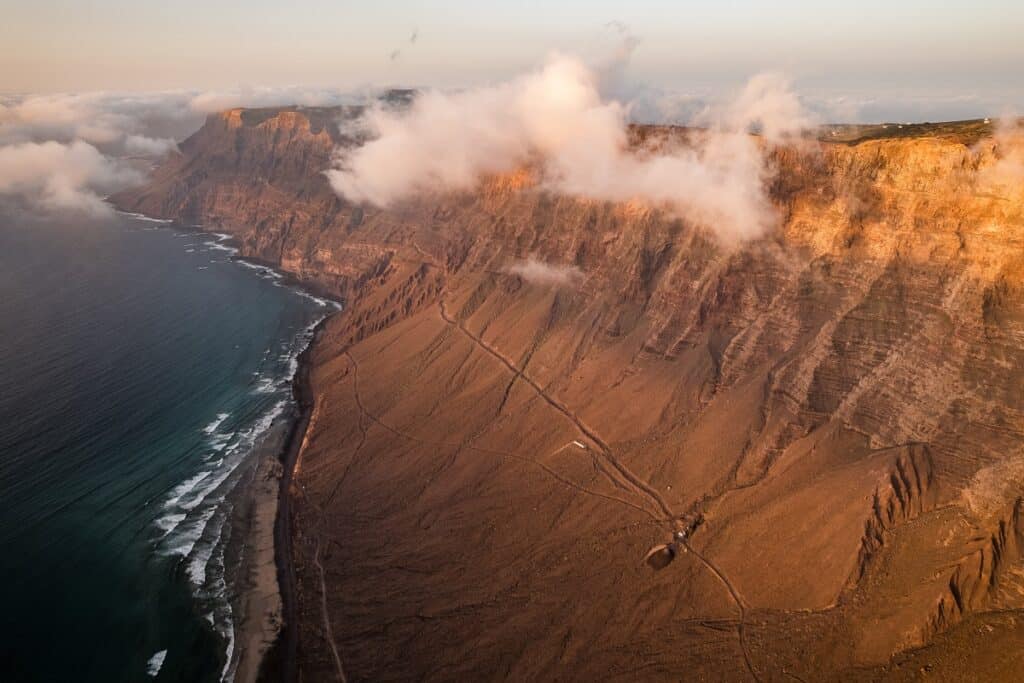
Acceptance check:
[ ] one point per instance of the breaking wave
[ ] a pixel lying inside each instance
(195, 519)
(155, 663)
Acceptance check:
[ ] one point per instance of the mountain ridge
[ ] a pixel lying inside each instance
(824, 408)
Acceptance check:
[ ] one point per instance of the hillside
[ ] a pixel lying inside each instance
(527, 392)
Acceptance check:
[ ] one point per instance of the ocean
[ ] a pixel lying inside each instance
(139, 365)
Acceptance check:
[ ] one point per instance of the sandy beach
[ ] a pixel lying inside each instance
(265, 638)
(258, 600)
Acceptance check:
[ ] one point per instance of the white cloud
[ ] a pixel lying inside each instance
(219, 100)
(57, 176)
(136, 123)
(1008, 170)
(105, 120)
(539, 272)
(140, 145)
(65, 151)
(556, 120)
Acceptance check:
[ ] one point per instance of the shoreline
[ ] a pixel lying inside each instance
(256, 601)
(307, 287)
(266, 632)
(280, 661)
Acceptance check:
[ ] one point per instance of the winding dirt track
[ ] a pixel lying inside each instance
(628, 478)
(616, 470)
(633, 481)
(737, 599)
(328, 629)
(504, 454)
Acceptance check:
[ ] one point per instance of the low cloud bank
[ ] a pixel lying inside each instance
(218, 100)
(57, 176)
(64, 151)
(539, 272)
(556, 120)
(140, 145)
(115, 124)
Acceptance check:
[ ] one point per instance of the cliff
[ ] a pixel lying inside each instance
(833, 414)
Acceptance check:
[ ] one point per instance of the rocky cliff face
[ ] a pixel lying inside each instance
(832, 414)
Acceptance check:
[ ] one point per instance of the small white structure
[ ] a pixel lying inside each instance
(579, 444)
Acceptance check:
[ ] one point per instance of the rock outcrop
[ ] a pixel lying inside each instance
(492, 456)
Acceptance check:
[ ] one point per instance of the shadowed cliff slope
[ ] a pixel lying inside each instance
(833, 414)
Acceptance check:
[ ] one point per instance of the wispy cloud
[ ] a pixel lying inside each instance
(540, 272)
(1007, 172)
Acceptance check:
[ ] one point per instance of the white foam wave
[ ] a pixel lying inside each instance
(222, 616)
(223, 247)
(271, 274)
(220, 442)
(228, 632)
(320, 301)
(184, 541)
(184, 488)
(201, 558)
(182, 529)
(266, 385)
(169, 523)
(217, 422)
(204, 499)
(155, 663)
(143, 217)
(263, 424)
(265, 272)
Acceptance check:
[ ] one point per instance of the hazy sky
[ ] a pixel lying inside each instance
(955, 55)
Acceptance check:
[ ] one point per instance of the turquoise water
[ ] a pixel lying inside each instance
(138, 366)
